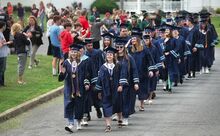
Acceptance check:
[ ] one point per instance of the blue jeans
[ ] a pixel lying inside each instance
(2, 70)
(42, 21)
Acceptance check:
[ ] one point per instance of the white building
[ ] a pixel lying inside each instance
(170, 5)
(134, 5)
(58, 3)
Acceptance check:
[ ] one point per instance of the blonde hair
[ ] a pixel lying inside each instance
(78, 56)
(16, 28)
(34, 18)
(138, 47)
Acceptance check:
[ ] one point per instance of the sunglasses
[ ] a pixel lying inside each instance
(119, 46)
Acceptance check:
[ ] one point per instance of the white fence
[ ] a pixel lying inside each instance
(154, 5)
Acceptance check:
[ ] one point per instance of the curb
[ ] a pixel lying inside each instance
(30, 104)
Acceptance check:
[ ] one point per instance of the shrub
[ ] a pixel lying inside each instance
(104, 6)
(217, 11)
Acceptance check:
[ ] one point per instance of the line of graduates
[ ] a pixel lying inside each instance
(130, 65)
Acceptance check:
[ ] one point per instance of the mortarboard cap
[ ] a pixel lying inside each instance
(76, 47)
(176, 28)
(132, 13)
(149, 29)
(89, 40)
(147, 36)
(136, 32)
(169, 20)
(143, 11)
(123, 25)
(203, 20)
(108, 35)
(120, 41)
(134, 17)
(111, 50)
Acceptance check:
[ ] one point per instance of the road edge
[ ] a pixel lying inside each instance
(10, 113)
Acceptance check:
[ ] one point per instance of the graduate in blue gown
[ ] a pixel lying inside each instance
(96, 60)
(191, 40)
(109, 88)
(171, 54)
(74, 72)
(206, 38)
(145, 65)
(107, 41)
(183, 53)
(129, 78)
(156, 57)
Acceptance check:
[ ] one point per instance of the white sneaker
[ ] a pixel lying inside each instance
(115, 118)
(150, 102)
(203, 70)
(78, 125)
(145, 102)
(69, 128)
(125, 122)
(206, 70)
(84, 121)
(30, 67)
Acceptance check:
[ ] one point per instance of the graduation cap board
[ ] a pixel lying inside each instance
(120, 41)
(136, 32)
(76, 47)
(149, 29)
(89, 40)
(107, 35)
(123, 25)
(147, 36)
(135, 17)
(111, 50)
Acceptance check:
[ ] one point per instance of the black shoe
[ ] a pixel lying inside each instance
(153, 95)
(36, 62)
(108, 129)
(170, 90)
(175, 84)
(181, 81)
(99, 113)
(88, 117)
(120, 123)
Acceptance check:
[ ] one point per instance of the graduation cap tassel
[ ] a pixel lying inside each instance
(206, 41)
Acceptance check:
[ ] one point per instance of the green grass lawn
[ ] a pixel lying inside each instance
(216, 22)
(39, 81)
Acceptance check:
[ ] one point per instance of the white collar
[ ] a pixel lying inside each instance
(109, 65)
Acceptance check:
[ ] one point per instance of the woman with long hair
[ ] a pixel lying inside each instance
(129, 78)
(36, 39)
(156, 57)
(74, 72)
(171, 54)
(41, 15)
(145, 65)
(109, 88)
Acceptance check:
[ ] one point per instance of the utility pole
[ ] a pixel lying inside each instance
(122, 4)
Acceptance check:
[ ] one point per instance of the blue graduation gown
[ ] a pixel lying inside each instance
(144, 63)
(183, 53)
(192, 41)
(74, 105)
(171, 60)
(108, 84)
(156, 57)
(129, 77)
(96, 60)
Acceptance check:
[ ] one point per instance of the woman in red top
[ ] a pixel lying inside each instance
(66, 39)
(85, 24)
(10, 9)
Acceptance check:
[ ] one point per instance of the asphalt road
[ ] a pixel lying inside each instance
(192, 110)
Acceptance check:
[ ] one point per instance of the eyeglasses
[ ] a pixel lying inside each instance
(119, 46)
(133, 38)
